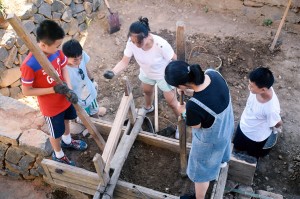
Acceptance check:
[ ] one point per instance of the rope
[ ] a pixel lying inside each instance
(206, 52)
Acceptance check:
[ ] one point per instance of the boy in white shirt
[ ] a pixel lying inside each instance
(260, 116)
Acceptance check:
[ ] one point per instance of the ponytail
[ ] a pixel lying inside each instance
(179, 73)
(196, 74)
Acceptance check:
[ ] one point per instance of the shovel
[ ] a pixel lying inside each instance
(113, 20)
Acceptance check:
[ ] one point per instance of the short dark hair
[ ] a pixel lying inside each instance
(141, 28)
(262, 77)
(48, 32)
(179, 73)
(72, 48)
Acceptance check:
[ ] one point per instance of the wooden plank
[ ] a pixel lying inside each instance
(99, 165)
(74, 186)
(219, 186)
(47, 172)
(180, 40)
(240, 170)
(182, 141)
(144, 136)
(80, 182)
(280, 25)
(122, 153)
(48, 68)
(115, 132)
(71, 172)
(136, 190)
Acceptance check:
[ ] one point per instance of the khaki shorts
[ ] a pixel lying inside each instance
(161, 84)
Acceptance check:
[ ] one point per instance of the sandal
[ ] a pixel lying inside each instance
(150, 109)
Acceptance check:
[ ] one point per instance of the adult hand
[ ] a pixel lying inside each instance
(72, 97)
(188, 92)
(61, 88)
(109, 74)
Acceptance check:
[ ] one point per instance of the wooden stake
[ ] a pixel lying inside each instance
(280, 25)
(48, 68)
(156, 109)
(180, 48)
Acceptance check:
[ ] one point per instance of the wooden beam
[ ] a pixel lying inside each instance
(99, 165)
(242, 168)
(180, 40)
(140, 192)
(122, 153)
(115, 132)
(48, 68)
(180, 51)
(71, 172)
(144, 136)
(280, 25)
(72, 186)
(219, 186)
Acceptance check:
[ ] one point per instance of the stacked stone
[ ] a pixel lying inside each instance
(20, 157)
(21, 151)
(72, 15)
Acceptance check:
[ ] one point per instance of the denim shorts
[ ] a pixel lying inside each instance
(161, 84)
(56, 124)
(206, 157)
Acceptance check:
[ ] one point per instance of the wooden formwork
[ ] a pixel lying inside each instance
(101, 184)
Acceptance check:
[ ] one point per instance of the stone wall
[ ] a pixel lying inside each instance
(72, 15)
(23, 144)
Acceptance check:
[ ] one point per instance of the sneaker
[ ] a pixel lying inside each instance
(149, 110)
(188, 196)
(64, 160)
(177, 134)
(75, 144)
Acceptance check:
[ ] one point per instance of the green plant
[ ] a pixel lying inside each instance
(267, 22)
(88, 21)
(205, 9)
(2, 7)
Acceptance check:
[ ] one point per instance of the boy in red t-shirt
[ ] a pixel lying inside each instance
(55, 107)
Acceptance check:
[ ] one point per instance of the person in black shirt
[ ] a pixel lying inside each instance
(210, 114)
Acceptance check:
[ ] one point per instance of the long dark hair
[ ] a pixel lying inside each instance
(179, 73)
(140, 28)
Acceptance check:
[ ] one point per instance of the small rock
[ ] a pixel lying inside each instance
(267, 178)
(280, 157)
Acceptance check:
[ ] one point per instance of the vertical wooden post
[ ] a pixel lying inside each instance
(128, 90)
(180, 51)
(100, 165)
(156, 127)
(280, 25)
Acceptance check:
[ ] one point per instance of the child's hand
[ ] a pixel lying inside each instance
(109, 74)
(61, 88)
(72, 97)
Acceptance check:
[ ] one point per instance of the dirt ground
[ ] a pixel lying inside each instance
(242, 44)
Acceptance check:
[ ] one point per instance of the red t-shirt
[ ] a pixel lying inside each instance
(32, 74)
